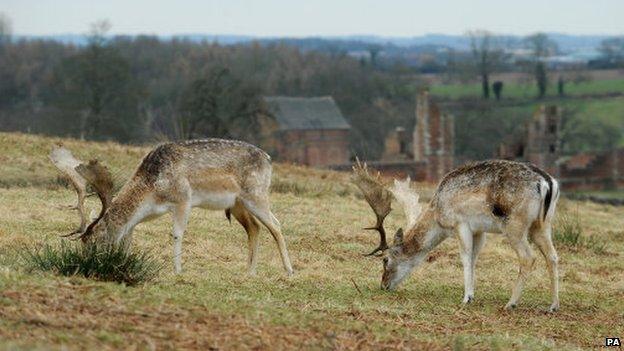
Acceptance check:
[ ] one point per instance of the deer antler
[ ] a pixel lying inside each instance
(65, 162)
(101, 180)
(377, 196)
(408, 199)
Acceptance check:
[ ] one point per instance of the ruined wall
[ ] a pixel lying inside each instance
(433, 138)
(543, 141)
(597, 171)
(395, 146)
(541, 145)
(432, 153)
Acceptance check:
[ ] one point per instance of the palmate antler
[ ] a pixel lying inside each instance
(80, 175)
(408, 199)
(66, 163)
(377, 196)
(101, 180)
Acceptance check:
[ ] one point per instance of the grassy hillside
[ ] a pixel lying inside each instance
(332, 302)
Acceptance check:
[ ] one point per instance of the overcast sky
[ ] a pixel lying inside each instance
(317, 17)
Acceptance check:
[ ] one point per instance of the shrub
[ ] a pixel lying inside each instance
(105, 263)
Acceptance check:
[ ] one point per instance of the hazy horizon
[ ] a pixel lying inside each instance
(281, 18)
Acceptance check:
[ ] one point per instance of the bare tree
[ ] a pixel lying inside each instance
(487, 55)
(5, 29)
(541, 47)
(221, 105)
(97, 32)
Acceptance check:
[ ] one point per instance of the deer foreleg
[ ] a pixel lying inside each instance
(180, 219)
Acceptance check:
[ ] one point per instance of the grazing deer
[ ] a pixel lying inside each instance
(512, 198)
(215, 174)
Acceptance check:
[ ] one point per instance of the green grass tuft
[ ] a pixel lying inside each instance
(106, 263)
(569, 233)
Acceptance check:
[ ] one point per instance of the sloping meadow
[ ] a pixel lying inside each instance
(332, 302)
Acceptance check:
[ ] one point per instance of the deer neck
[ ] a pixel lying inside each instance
(424, 236)
(129, 208)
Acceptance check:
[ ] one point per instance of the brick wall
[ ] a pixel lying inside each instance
(313, 147)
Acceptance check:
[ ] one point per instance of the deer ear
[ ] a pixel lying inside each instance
(398, 237)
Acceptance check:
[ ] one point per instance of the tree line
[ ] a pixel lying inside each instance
(142, 88)
(136, 89)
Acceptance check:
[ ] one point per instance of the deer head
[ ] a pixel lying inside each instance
(396, 261)
(392, 267)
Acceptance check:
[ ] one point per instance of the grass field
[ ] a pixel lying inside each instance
(529, 90)
(332, 302)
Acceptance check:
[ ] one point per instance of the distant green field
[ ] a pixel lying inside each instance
(607, 110)
(528, 90)
(606, 194)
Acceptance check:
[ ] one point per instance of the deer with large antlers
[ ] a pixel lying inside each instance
(215, 174)
(512, 198)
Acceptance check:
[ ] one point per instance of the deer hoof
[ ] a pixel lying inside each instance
(510, 306)
(468, 299)
(553, 308)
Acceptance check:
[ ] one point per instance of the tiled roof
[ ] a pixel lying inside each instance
(296, 113)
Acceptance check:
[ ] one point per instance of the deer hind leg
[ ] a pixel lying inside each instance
(541, 236)
(260, 209)
(180, 216)
(518, 240)
(465, 250)
(251, 227)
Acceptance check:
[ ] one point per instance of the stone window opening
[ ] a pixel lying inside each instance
(402, 147)
(552, 129)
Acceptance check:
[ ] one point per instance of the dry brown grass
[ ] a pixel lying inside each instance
(332, 302)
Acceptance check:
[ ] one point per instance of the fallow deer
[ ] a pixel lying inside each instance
(213, 173)
(512, 198)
